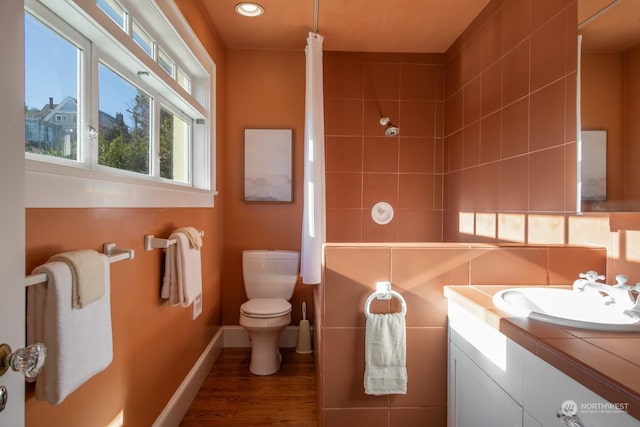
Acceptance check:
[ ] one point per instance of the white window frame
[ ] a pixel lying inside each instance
(52, 182)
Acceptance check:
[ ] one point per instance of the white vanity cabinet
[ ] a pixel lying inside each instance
(495, 382)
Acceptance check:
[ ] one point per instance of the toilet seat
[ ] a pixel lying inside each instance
(265, 308)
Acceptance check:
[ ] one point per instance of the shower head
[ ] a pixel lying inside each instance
(390, 128)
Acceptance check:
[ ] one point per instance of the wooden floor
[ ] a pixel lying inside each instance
(232, 396)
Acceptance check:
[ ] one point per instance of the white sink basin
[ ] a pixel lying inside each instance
(567, 308)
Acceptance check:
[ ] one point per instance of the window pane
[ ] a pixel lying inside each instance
(51, 92)
(183, 80)
(143, 39)
(113, 9)
(165, 62)
(124, 133)
(175, 140)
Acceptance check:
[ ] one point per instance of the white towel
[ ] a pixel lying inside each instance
(79, 342)
(182, 281)
(385, 355)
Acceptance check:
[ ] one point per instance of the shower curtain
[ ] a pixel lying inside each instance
(313, 212)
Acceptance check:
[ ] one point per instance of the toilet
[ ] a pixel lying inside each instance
(270, 277)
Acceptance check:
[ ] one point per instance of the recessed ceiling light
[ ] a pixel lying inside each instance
(249, 9)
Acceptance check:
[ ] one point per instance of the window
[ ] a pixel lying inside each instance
(133, 114)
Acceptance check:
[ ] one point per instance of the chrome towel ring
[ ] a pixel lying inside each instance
(384, 292)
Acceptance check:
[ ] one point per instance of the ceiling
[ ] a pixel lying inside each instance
(347, 25)
(609, 25)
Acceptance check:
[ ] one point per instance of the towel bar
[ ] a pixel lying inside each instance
(113, 254)
(151, 242)
(384, 292)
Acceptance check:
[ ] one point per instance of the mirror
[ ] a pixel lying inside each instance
(610, 103)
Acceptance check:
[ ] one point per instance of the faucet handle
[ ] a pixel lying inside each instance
(622, 279)
(592, 276)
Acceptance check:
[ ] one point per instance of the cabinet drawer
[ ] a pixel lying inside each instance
(547, 389)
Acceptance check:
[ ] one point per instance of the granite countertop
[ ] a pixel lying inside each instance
(608, 363)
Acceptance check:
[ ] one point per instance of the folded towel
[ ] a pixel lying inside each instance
(87, 270)
(79, 342)
(385, 355)
(182, 282)
(195, 239)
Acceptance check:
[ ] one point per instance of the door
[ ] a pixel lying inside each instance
(12, 202)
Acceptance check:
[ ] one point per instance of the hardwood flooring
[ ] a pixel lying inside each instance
(232, 396)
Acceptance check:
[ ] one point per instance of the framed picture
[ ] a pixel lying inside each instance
(268, 165)
(593, 169)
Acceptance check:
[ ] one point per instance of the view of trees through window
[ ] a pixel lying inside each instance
(125, 125)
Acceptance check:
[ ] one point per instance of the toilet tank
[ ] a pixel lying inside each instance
(270, 273)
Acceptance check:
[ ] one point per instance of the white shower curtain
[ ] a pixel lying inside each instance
(313, 213)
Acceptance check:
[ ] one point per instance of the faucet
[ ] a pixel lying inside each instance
(620, 293)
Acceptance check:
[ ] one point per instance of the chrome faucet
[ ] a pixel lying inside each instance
(620, 293)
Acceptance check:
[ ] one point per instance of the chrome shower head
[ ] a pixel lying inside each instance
(390, 128)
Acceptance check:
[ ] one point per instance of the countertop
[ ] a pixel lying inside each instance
(608, 363)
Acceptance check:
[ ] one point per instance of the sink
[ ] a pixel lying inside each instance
(567, 307)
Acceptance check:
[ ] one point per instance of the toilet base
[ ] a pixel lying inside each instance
(265, 339)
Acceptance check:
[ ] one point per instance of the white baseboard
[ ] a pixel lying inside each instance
(179, 403)
(236, 336)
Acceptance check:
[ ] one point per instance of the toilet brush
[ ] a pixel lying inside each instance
(304, 333)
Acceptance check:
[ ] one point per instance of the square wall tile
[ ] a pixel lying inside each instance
(546, 172)
(472, 101)
(417, 155)
(419, 225)
(415, 191)
(343, 117)
(516, 22)
(514, 196)
(426, 369)
(422, 82)
(491, 137)
(515, 129)
(491, 81)
(547, 116)
(515, 73)
(417, 118)
(343, 189)
(420, 274)
(343, 80)
(549, 52)
(344, 225)
(344, 381)
(343, 153)
(379, 187)
(380, 154)
(471, 145)
(350, 277)
(508, 266)
(381, 81)
(566, 263)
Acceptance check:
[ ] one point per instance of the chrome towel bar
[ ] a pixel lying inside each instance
(151, 242)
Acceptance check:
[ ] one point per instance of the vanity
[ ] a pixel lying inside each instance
(516, 371)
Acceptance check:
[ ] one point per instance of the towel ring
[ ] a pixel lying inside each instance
(384, 292)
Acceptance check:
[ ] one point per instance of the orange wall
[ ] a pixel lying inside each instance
(363, 166)
(510, 114)
(155, 345)
(265, 89)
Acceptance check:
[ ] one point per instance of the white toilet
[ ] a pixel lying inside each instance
(269, 280)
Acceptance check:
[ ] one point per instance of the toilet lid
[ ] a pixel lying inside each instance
(265, 307)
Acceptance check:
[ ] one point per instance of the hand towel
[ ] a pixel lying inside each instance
(87, 271)
(79, 342)
(195, 239)
(182, 281)
(385, 354)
